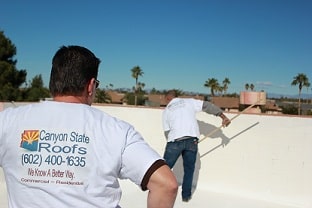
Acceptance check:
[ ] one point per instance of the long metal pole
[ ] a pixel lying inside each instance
(217, 129)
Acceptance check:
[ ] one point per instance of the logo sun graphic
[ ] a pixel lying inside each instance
(30, 136)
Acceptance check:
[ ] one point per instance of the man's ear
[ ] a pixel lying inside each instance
(91, 86)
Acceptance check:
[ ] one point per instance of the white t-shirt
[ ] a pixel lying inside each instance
(69, 155)
(179, 118)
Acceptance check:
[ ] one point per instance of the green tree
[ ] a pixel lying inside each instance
(302, 81)
(135, 73)
(252, 87)
(10, 78)
(141, 85)
(177, 91)
(246, 86)
(213, 85)
(37, 91)
(130, 98)
(154, 91)
(289, 109)
(102, 97)
(226, 82)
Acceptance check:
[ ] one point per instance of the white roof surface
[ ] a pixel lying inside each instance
(266, 164)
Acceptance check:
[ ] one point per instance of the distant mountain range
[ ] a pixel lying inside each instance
(276, 95)
(269, 95)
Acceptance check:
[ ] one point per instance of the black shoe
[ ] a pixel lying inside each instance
(186, 199)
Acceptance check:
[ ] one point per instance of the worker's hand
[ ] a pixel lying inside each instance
(225, 120)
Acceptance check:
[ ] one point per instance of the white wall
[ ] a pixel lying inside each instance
(268, 160)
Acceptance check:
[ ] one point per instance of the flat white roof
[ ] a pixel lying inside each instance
(266, 164)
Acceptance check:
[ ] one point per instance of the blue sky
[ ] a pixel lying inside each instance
(177, 43)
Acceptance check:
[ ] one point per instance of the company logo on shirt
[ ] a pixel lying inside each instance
(30, 140)
(54, 142)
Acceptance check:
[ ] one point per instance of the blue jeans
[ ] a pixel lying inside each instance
(188, 149)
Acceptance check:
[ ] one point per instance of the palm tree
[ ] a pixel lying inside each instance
(303, 81)
(136, 72)
(246, 86)
(177, 91)
(213, 85)
(109, 86)
(220, 89)
(141, 85)
(226, 83)
(252, 86)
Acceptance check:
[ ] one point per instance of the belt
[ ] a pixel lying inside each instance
(184, 138)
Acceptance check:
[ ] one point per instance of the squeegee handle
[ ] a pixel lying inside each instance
(217, 129)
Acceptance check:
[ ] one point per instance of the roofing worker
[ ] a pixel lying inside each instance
(182, 133)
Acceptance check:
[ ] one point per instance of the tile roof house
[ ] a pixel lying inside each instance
(230, 104)
(156, 100)
(116, 97)
(272, 108)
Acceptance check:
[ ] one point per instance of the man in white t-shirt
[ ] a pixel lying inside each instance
(65, 153)
(182, 133)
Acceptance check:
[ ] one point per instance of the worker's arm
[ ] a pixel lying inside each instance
(163, 187)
